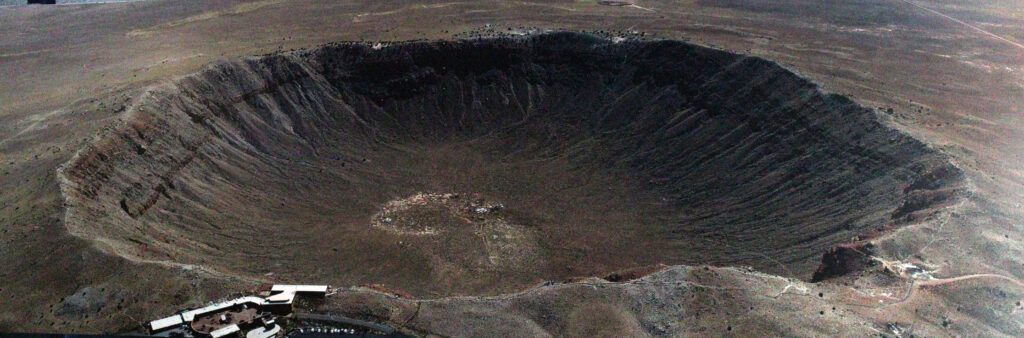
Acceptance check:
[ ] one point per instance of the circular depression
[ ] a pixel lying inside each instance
(476, 167)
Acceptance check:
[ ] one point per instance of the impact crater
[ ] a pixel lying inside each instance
(485, 166)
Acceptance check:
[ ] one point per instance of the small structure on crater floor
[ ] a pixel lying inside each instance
(255, 317)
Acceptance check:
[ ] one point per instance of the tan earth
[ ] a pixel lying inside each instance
(118, 204)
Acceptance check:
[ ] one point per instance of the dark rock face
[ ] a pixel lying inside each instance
(604, 156)
(842, 260)
(87, 301)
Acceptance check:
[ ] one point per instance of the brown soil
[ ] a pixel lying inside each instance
(74, 71)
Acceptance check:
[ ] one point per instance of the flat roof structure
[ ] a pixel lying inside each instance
(225, 331)
(280, 295)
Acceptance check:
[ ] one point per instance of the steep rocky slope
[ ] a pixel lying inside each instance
(586, 156)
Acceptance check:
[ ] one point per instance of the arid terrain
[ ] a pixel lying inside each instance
(587, 168)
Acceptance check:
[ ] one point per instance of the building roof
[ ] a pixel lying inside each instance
(280, 294)
(224, 331)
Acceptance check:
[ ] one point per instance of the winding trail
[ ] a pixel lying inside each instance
(976, 28)
(968, 277)
(916, 284)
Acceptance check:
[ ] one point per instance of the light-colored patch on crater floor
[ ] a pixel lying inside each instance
(501, 242)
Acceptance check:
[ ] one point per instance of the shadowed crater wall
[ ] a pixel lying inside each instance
(440, 168)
